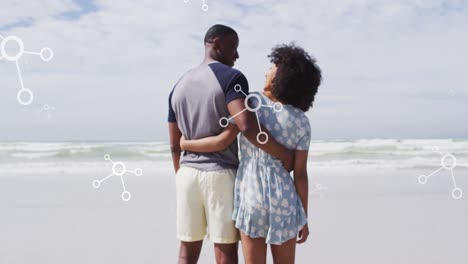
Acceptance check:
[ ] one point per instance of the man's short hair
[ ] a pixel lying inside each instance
(218, 31)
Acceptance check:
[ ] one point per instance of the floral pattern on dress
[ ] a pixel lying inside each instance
(266, 203)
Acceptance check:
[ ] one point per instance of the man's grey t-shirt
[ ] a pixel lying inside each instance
(198, 102)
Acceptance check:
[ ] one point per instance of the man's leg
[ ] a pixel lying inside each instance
(218, 191)
(226, 253)
(191, 219)
(189, 252)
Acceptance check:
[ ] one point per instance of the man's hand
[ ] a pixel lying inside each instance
(303, 234)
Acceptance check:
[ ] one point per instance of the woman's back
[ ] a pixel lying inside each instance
(266, 202)
(289, 126)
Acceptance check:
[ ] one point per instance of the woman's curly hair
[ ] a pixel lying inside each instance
(297, 77)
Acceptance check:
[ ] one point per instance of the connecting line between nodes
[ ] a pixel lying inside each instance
(319, 188)
(118, 169)
(46, 54)
(277, 107)
(47, 109)
(204, 6)
(447, 162)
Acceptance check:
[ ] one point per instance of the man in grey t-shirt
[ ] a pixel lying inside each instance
(205, 181)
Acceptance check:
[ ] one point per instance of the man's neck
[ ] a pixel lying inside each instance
(208, 60)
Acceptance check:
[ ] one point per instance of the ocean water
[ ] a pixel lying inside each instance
(371, 208)
(364, 153)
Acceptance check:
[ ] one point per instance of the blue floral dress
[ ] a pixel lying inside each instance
(266, 203)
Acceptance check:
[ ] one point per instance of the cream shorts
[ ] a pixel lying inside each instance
(205, 201)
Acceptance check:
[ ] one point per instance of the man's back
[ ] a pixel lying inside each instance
(197, 103)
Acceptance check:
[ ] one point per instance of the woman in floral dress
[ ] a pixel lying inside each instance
(270, 206)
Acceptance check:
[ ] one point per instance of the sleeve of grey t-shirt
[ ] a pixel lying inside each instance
(232, 81)
(171, 116)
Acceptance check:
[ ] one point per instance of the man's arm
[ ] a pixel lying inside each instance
(247, 124)
(174, 143)
(213, 143)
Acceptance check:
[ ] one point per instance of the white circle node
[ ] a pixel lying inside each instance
(457, 193)
(278, 107)
(20, 52)
(46, 54)
(96, 184)
(126, 196)
(450, 163)
(46, 107)
(224, 122)
(118, 168)
(262, 134)
(138, 172)
(256, 108)
(20, 94)
(205, 7)
(422, 179)
(107, 157)
(237, 87)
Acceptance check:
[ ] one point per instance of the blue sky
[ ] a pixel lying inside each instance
(85, 7)
(76, 9)
(392, 69)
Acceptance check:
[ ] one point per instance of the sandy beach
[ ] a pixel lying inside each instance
(93, 91)
(365, 215)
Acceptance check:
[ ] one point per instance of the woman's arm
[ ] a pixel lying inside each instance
(301, 181)
(211, 144)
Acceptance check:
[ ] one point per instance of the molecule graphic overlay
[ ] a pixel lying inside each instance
(320, 189)
(277, 107)
(118, 169)
(204, 6)
(46, 54)
(452, 92)
(447, 162)
(46, 108)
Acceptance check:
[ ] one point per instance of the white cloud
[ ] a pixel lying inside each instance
(384, 62)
